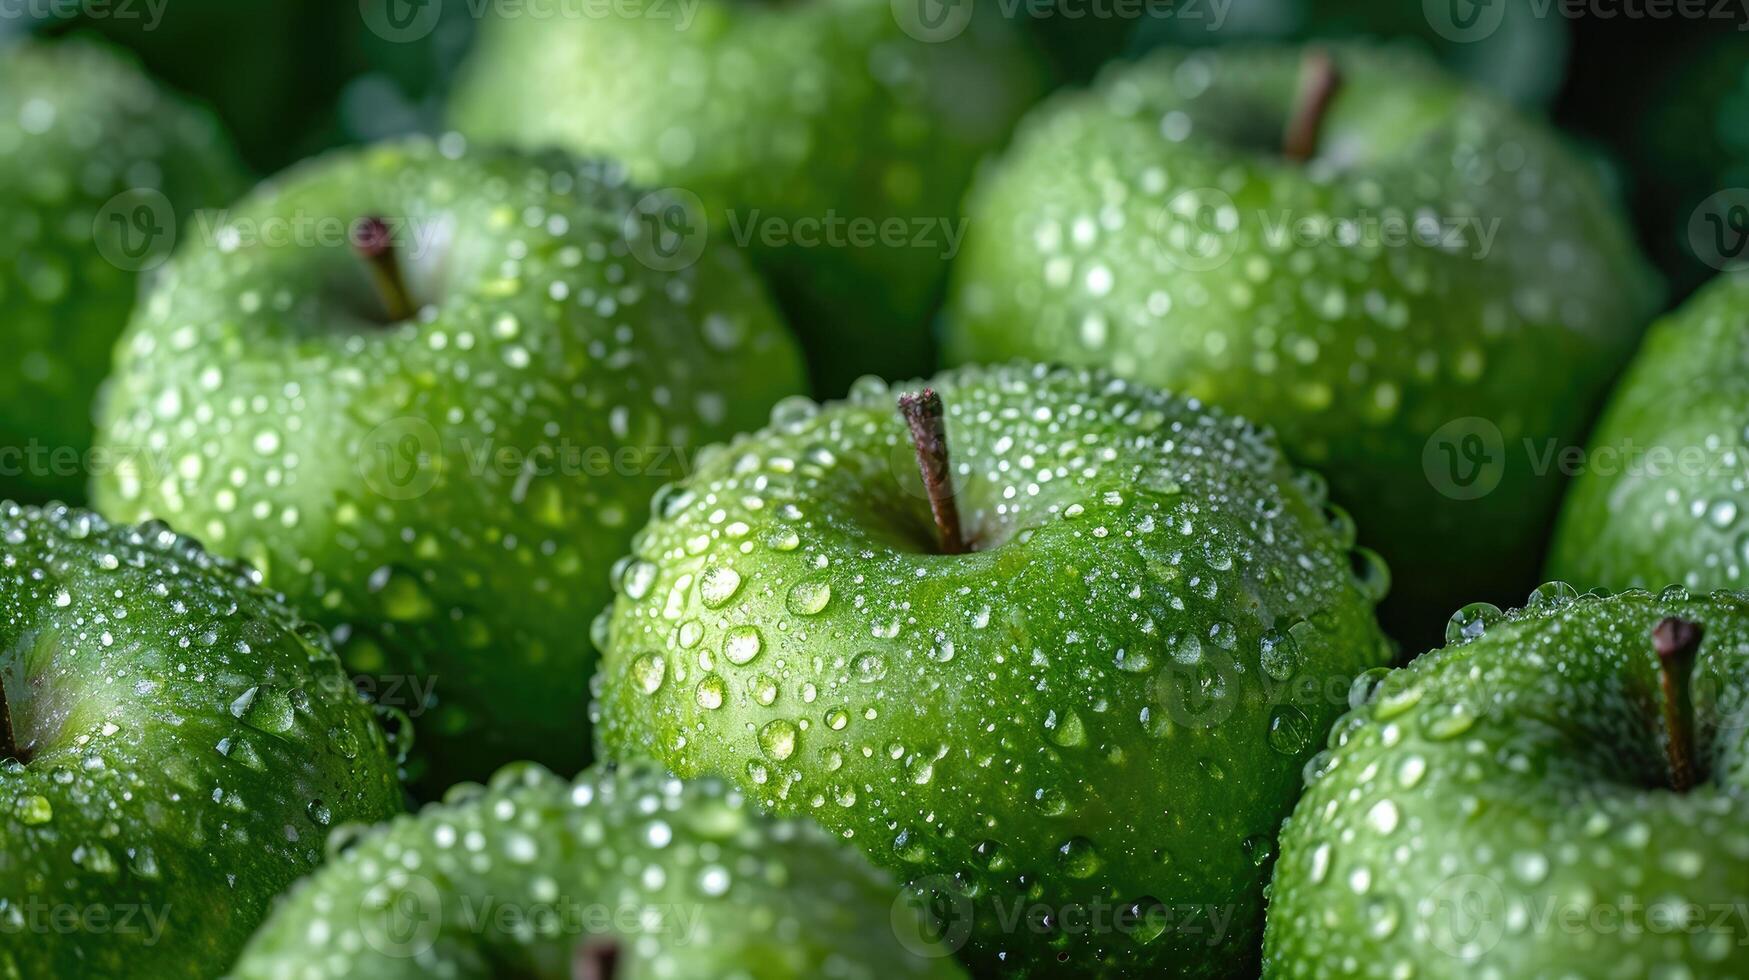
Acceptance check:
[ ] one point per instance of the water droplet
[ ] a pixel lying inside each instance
(1065, 729)
(1078, 857)
(717, 585)
(778, 740)
(710, 693)
(647, 672)
(1279, 656)
(1290, 731)
(809, 596)
(742, 644)
(1471, 621)
(870, 667)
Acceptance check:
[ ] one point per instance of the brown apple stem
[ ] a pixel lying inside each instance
(1677, 641)
(595, 961)
(375, 244)
(1319, 80)
(924, 414)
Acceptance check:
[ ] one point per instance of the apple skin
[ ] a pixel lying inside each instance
(447, 493)
(741, 895)
(189, 741)
(1105, 705)
(1086, 247)
(1662, 498)
(785, 113)
(97, 128)
(1521, 769)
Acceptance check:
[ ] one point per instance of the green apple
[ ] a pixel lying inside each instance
(1430, 292)
(99, 168)
(176, 743)
(1516, 48)
(1559, 792)
(1661, 496)
(628, 874)
(834, 138)
(1074, 708)
(439, 449)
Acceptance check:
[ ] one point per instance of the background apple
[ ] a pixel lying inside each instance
(1515, 805)
(1438, 293)
(801, 130)
(446, 490)
(1082, 732)
(1661, 496)
(627, 874)
(99, 169)
(176, 745)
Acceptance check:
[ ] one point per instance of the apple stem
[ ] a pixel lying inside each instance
(595, 961)
(1677, 641)
(375, 244)
(924, 414)
(1319, 80)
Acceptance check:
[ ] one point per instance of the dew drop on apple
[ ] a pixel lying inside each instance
(763, 687)
(1278, 656)
(709, 693)
(1290, 731)
(809, 596)
(319, 813)
(837, 719)
(870, 667)
(742, 644)
(717, 585)
(1065, 728)
(1079, 858)
(34, 811)
(647, 672)
(637, 579)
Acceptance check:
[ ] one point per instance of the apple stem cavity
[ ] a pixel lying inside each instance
(927, 419)
(376, 245)
(1677, 641)
(1319, 80)
(595, 961)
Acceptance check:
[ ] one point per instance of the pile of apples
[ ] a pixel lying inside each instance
(773, 490)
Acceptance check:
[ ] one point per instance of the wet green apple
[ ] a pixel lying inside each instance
(1661, 494)
(613, 876)
(1420, 293)
(834, 138)
(1558, 792)
(1064, 685)
(99, 171)
(176, 744)
(437, 440)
